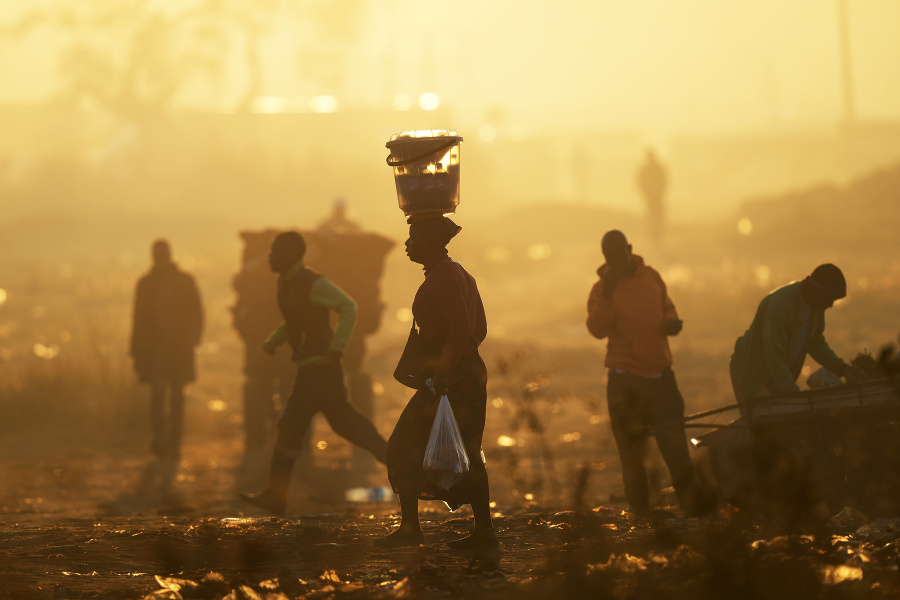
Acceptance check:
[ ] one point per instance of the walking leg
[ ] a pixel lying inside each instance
(292, 428)
(410, 531)
(629, 432)
(346, 421)
(670, 437)
(483, 536)
(274, 498)
(634, 475)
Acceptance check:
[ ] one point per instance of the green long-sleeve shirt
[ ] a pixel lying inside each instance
(326, 294)
(772, 351)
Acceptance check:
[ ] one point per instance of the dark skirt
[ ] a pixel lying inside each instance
(467, 392)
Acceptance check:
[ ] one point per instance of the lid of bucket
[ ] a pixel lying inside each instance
(418, 134)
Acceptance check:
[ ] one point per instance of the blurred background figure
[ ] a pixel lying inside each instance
(168, 322)
(337, 221)
(652, 181)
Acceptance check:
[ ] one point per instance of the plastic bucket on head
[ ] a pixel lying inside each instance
(426, 170)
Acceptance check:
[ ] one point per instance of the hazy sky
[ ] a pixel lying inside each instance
(655, 65)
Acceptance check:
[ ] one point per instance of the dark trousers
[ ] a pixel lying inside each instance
(166, 418)
(320, 388)
(638, 408)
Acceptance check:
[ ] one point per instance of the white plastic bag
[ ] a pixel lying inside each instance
(446, 461)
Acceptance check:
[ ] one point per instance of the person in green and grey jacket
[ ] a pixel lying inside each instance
(789, 324)
(306, 300)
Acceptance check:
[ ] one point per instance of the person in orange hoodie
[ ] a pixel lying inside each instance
(630, 306)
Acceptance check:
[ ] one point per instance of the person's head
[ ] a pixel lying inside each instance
(616, 250)
(287, 249)
(426, 236)
(161, 252)
(823, 286)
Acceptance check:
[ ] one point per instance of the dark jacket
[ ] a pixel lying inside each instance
(167, 324)
(450, 314)
(308, 325)
(771, 353)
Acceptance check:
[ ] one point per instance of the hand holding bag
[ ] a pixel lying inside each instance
(446, 461)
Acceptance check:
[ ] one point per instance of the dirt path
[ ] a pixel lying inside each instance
(84, 521)
(80, 518)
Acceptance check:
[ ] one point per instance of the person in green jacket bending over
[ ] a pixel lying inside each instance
(789, 324)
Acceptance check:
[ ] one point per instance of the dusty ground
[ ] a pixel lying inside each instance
(81, 518)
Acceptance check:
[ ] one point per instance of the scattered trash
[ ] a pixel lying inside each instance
(330, 576)
(625, 563)
(849, 518)
(835, 574)
(370, 494)
(247, 520)
(823, 378)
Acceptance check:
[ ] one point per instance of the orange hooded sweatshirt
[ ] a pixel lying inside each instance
(633, 320)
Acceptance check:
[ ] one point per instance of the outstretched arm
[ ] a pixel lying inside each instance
(823, 354)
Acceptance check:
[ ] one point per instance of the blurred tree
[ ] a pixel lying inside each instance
(325, 40)
(133, 61)
(134, 57)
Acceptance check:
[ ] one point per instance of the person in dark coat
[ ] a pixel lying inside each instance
(306, 300)
(452, 323)
(167, 324)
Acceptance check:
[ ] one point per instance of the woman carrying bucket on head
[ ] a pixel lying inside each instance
(451, 324)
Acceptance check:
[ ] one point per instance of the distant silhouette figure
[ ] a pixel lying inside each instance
(630, 306)
(306, 301)
(168, 322)
(653, 181)
(338, 222)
